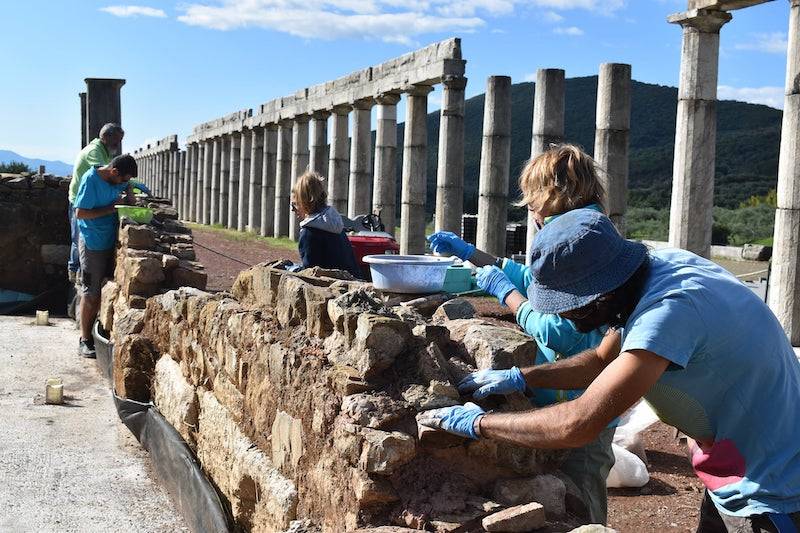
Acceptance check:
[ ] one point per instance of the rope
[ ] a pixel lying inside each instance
(762, 271)
(223, 255)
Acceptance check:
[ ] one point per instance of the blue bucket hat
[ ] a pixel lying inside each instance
(578, 257)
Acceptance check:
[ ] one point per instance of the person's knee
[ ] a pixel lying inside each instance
(90, 300)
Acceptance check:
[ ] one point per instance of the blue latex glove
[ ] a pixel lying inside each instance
(495, 282)
(459, 419)
(485, 382)
(448, 243)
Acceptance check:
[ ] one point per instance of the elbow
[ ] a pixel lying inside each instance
(80, 213)
(581, 428)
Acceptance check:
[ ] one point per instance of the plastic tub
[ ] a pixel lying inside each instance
(104, 349)
(411, 274)
(142, 215)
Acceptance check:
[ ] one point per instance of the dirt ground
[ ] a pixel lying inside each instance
(670, 501)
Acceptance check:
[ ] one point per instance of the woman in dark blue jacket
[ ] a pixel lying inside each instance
(323, 241)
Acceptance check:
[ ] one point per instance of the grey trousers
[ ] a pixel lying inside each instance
(588, 467)
(712, 521)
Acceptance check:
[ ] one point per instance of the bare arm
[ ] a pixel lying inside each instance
(578, 422)
(481, 258)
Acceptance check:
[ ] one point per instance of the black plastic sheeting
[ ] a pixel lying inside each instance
(177, 468)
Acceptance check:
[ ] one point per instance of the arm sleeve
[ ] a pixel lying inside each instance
(552, 331)
(520, 275)
(671, 328)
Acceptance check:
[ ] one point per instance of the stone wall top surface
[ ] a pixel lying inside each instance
(167, 144)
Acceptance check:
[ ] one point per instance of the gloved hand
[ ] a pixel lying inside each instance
(494, 281)
(459, 419)
(448, 243)
(485, 382)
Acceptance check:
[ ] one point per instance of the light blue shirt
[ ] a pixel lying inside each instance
(98, 233)
(733, 383)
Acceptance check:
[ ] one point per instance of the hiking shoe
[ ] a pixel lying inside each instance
(86, 349)
(72, 276)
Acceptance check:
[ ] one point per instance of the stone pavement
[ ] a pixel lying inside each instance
(75, 467)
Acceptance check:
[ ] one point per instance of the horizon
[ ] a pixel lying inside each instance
(170, 88)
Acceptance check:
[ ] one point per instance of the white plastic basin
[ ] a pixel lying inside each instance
(408, 273)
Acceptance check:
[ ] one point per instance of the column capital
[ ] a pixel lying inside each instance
(286, 123)
(387, 98)
(454, 82)
(417, 90)
(301, 118)
(364, 103)
(271, 126)
(341, 109)
(702, 20)
(322, 114)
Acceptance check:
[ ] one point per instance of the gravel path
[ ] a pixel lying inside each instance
(73, 467)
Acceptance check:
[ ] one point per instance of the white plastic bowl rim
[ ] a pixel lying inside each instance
(408, 260)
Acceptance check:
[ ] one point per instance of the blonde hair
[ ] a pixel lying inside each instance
(559, 180)
(309, 191)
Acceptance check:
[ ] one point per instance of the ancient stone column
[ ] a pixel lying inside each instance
(192, 200)
(450, 169)
(548, 125)
(784, 282)
(102, 105)
(270, 160)
(384, 191)
(415, 173)
(283, 179)
(233, 180)
(224, 178)
(318, 160)
(613, 124)
(339, 162)
(84, 129)
(690, 217)
(198, 214)
(184, 189)
(495, 167)
(173, 182)
(360, 187)
(208, 169)
(216, 154)
(256, 172)
(300, 157)
(244, 181)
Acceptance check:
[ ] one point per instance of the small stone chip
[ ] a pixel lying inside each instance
(514, 519)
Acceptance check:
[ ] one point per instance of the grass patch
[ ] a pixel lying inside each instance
(246, 236)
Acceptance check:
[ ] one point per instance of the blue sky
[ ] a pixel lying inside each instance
(191, 61)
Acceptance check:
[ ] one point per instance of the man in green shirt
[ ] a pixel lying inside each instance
(97, 153)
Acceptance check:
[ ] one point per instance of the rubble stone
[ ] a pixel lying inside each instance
(497, 347)
(134, 361)
(545, 489)
(137, 236)
(287, 441)
(175, 398)
(521, 518)
(373, 410)
(383, 452)
(108, 296)
(455, 309)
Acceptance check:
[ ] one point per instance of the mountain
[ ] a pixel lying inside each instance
(748, 139)
(59, 168)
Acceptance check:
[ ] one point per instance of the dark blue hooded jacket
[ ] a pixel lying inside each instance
(324, 243)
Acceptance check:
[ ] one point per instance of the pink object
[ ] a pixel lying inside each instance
(718, 465)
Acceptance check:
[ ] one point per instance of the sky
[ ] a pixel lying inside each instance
(191, 61)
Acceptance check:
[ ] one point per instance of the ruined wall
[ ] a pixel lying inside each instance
(34, 233)
(298, 393)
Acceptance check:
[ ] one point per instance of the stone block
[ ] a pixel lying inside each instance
(182, 251)
(344, 311)
(431, 334)
(55, 254)
(134, 363)
(141, 275)
(318, 323)
(372, 490)
(384, 452)
(261, 498)
(287, 441)
(455, 309)
(127, 321)
(422, 398)
(175, 398)
(108, 297)
(168, 262)
(229, 396)
(545, 489)
(521, 518)
(137, 236)
(429, 437)
(189, 274)
(498, 347)
(458, 328)
(373, 410)
(756, 252)
(378, 341)
(291, 302)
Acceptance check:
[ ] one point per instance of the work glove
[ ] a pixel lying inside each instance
(495, 282)
(485, 382)
(448, 243)
(459, 419)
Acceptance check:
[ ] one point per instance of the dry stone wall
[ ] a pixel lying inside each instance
(298, 394)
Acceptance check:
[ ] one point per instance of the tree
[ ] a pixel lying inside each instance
(15, 167)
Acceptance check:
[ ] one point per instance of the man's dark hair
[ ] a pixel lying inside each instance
(126, 165)
(620, 303)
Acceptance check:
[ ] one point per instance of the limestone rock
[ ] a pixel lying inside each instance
(378, 341)
(423, 398)
(127, 322)
(429, 437)
(141, 275)
(498, 347)
(108, 297)
(168, 262)
(455, 309)
(287, 441)
(431, 334)
(384, 452)
(291, 302)
(137, 236)
(373, 410)
(345, 310)
(228, 395)
(458, 328)
(134, 362)
(521, 518)
(175, 398)
(372, 490)
(302, 526)
(181, 251)
(545, 489)
(593, 528)
(318, 323)
(756, 252)
(189, 274)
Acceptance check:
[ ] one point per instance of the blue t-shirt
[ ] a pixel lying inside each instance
(98, 233)
(733, 383)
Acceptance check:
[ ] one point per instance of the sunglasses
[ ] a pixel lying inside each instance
(582, 313)
(293, 207)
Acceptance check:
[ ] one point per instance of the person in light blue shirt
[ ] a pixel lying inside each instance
(98, 194)
(562, 179)
(701, 348)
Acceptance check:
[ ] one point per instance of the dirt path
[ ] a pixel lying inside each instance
(75, 467)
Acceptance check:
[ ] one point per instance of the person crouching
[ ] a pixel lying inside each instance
(323, 241)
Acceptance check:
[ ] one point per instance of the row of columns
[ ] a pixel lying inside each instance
(160, 171)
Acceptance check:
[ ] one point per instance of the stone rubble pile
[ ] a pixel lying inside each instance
(298, 394)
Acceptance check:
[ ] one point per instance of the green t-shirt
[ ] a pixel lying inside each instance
(93, 154)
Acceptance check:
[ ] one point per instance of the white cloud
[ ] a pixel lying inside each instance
(569, 30)
(134, 11)
(771, 96)
(552, 16)
(399, 21)
(772, 43)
